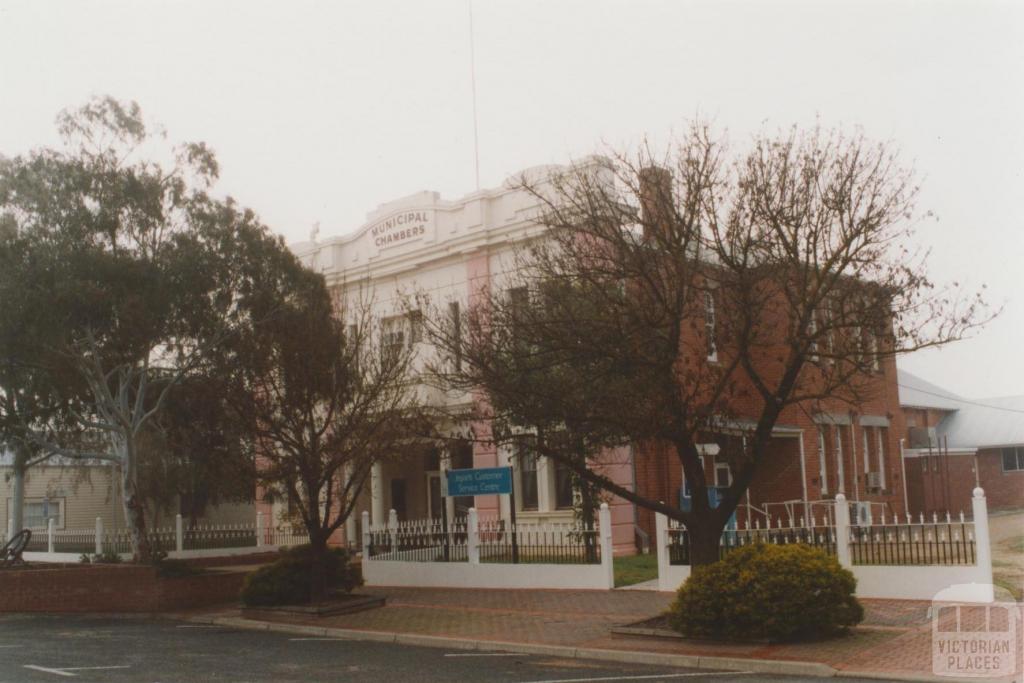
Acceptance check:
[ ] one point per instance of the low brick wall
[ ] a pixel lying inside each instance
(111, 588)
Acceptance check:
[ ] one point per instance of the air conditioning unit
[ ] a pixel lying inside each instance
(874, 481)
(860, 513)
(923, 437)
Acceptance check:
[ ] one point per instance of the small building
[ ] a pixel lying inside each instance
(954, 444)
(75, 494)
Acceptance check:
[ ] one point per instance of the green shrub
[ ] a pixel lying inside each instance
(287, 581)
(768, 592)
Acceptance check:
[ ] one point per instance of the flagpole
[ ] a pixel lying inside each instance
(472, 75)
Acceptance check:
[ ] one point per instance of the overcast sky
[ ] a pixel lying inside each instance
(322, 111)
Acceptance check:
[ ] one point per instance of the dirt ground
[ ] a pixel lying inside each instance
(1007, 530)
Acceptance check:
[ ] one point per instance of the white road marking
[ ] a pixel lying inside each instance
(197, 626)
(10, 645)
(485, 654)
(336, 640)
(644, 678)
(67, 671)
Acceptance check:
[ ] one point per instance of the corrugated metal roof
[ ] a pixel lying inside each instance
(971, 423)
(917, 393)
(985, 422)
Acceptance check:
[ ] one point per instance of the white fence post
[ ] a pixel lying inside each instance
(473, 537)
(366, 536)
(99, 535)
(393, 529)
(179, 534)
(259, 529)
(661, 547)
(604, 525)
(982, 541)
(10, 528)
(49, 535)
(843, 531)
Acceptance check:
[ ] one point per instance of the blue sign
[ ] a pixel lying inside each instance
(481, 481)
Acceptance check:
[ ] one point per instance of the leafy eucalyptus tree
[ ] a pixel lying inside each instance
(144, 272)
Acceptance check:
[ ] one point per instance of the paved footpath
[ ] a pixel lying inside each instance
(893, 643)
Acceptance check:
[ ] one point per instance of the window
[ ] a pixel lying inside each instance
(812, 333)
(841, 484)
(822, 468)
(456, 322)
(528, 489)
(1013, 459)
(882, 433)
(872, 346)
(723, 475)
(709, 326)
(393, 334)
(38, 511)
(563, 487)
(866, 431)
(687, 493)
(415, 327)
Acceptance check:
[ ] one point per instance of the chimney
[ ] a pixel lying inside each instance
(655, 199)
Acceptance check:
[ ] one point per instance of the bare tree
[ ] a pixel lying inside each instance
(675, 299)
(325, 396)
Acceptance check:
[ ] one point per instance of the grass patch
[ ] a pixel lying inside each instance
(633, 569)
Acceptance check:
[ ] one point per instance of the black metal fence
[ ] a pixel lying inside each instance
(420, 541)
(939, 543)
(822, 537)
(539, 545)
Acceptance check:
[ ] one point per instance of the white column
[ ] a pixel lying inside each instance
(10, 528)
(843, 531)
(982, 541)
(366, 536)
(350, 522)
(473, 538)
(448, 502)
(179, 533)
(49, 535)
(604, 527)
(661, 544)
(377, 494)
(259, 529)
(99, 535)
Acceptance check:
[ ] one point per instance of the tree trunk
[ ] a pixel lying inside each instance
(318, 568)
(18, 498)
(134, 508)
(705, 536)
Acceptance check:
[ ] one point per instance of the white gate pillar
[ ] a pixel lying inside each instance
(99, 535)
(661, 547)
(842, 517)
(49, 535)
(604, 527)
(982, 541)
(473, 537)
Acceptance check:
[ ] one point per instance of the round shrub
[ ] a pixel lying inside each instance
(768, 592)
(287, 581)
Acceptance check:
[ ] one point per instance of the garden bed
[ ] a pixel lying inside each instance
(333, 606)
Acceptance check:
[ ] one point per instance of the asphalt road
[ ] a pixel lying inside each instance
(142, 650)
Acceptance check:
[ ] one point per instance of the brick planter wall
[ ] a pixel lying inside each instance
(111, 588)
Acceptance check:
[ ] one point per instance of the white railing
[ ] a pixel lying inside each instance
(471, 553)
(892, 558)
(179, 541)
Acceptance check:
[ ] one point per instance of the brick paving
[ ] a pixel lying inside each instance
(895, 637)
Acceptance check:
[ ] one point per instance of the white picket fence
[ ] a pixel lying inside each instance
(474, 553)
(179, 542)
(891, 559)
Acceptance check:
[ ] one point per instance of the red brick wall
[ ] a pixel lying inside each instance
(947, 482)
(111, 588)
(1004, 490)
(659, 473)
